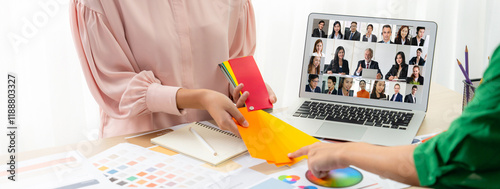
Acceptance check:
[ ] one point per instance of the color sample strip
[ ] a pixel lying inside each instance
(41, 165)
(246, 71)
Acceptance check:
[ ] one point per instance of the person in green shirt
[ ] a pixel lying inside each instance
(466, 155)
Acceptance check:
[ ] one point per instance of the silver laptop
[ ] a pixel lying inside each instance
(370, 73)
(362, 108)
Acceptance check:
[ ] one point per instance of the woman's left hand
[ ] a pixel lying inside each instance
(240, 99)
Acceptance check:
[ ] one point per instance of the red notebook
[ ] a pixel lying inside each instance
(246, 71)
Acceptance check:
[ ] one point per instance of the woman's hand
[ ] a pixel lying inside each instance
(218, 105)
(322, 157)
(391, 77)
(239, 100)
(222, 111)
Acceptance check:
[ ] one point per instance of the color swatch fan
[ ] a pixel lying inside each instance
(271, 139)
(244, 70)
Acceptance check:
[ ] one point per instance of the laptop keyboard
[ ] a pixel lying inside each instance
(354, 115)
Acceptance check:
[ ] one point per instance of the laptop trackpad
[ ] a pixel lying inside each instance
(339, 131)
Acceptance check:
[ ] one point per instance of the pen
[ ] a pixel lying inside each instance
(203, 141)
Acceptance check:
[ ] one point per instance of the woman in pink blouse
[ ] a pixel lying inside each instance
(153, 64)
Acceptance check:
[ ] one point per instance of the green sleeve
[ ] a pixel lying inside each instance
(468, 154)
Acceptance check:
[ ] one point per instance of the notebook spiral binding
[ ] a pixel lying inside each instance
(217, 129)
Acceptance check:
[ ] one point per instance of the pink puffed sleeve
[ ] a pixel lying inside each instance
(243, 38)
(120, 88)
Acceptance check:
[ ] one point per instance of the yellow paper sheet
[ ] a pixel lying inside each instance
(271, 139)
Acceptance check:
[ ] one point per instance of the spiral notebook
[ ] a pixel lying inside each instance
(226, 144)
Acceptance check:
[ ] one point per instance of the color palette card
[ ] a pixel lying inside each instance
(244, 70)
(131, 165)
(269, 138)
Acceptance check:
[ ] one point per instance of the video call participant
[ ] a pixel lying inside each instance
(338, 64)
(353, 34)
(400, 69)
(313, 84)
(418, 60)
(415, 78)
(318, 32)
(332, 80)
(363, 93)
(368, 63)
(419, 39)
(314, 63)
(411, 98)
(318, 48)
(378, 91)
(345, 87)
(369, 37)
(386, 34)
(397, 97)
(337, 33)
(402, 37)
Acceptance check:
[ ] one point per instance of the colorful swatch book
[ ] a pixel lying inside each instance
(226, 144)
(271, 139)
(244, 70)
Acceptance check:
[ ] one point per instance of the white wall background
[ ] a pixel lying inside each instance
(56, 108)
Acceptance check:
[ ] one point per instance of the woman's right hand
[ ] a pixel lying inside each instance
(391, 77)
(222, 110)
(218, 105)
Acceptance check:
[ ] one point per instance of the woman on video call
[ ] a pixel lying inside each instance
(313, 67)
(337, 33)
(345, 85)
(339, 64)
(402, 36)
(362, 93)
(400, 69)
(318, 48)
(378, 91)
(415, 77)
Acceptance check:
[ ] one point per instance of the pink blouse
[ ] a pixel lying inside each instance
(135, 55)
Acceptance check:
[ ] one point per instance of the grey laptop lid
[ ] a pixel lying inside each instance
(341, 56)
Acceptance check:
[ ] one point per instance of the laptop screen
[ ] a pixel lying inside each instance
(366, 60)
